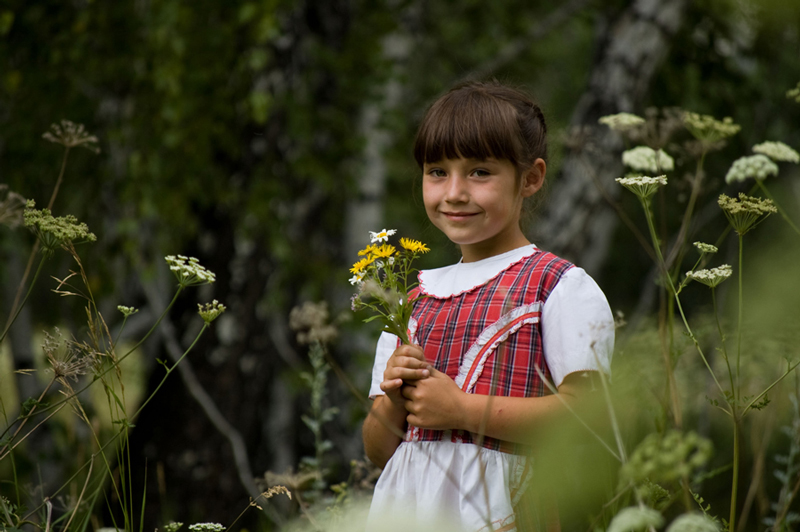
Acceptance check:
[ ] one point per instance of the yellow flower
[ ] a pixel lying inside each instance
(361, 265)
(386, 250)
(414, 246)
(369, 250)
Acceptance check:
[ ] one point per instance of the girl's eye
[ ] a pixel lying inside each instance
(481, 173)
(436, 172)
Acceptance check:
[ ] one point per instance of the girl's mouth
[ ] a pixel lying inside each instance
(458, 216)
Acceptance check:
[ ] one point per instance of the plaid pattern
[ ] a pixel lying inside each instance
(488, 339)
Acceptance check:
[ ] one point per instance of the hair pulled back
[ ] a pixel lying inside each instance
(479, 120)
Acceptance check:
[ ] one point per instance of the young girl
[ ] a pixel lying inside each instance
(467, 395)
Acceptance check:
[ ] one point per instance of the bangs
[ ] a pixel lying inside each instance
(469, 124)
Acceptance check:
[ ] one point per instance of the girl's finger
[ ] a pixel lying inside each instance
(393, 384)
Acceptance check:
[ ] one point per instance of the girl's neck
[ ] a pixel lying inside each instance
(492, 247)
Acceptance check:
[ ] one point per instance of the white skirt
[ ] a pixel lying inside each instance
(446, 486)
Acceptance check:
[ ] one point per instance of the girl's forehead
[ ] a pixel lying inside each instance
(467, 160)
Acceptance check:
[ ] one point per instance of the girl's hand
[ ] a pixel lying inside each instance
(435, 403)
(406, 365)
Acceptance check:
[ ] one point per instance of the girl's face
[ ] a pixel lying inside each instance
(477, 203)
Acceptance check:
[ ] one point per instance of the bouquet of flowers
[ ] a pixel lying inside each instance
(382, 277)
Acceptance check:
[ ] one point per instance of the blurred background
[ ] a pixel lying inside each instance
(267, 137)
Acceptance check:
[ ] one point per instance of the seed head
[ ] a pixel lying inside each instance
(55, 232)
(746, 212)
(707, 129)
(211, 311)
(71, 135)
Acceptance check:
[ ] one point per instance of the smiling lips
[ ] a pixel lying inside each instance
(458, 216)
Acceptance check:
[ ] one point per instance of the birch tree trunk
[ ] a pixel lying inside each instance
(577, 221)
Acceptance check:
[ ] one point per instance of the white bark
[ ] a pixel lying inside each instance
(576, 222)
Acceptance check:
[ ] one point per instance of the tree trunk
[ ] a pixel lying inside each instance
(576, 222)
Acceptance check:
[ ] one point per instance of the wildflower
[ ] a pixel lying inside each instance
(755, 166)
(693, 523)
(381, 236)
(384, 251)
(709, 130)
(310, 320)
(794, 93)
(712, 277)
(11, 208)
(705, 248)
(643, 186)
(55, 232)
(621, 121)
(666, 458)
(744, 213)
(172, 527)
(127, 311)
(634, 518)
(777, 151)
(361, 265)
(414, 246)
(64, 358)
(188, 270)
(355, 279)
(206, 527)
(647, 159)
(71, 135)
(369, 250)
(210, 311)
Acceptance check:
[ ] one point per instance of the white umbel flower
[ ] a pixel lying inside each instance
(643, 186)
(753, 166)
(621, 121)
(634, 518)
(693, 523)
(777, 151)
(705, 248)
(646, 159)
(712, 277)
(189, 271)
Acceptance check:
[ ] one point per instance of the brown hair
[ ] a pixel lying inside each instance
(481, 120)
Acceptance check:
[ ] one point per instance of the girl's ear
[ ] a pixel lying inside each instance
(533, 179)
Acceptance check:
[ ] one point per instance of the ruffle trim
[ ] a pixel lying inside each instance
(421, 285)
(498, 332)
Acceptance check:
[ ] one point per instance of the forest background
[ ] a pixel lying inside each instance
(266, 138)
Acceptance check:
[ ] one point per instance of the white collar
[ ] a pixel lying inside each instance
(464, 276)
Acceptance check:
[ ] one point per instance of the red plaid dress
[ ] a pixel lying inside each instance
(488, 339)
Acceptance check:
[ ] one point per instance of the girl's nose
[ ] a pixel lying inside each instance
(456, 189)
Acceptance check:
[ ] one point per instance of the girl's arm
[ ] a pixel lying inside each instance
(386, 421)
(438, 403)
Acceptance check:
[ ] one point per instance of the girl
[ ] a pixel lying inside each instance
(470, 395)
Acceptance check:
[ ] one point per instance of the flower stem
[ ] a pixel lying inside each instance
(735, 481)
(668, 280)
(780, 210)
(170, 370)
(739, 327)
(21, 305)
